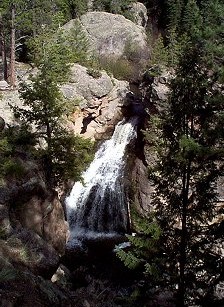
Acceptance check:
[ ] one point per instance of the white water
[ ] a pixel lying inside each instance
(99, 205)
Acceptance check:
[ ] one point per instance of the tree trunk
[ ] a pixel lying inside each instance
(3, 50)
(48, 158)
(183, 242)
(13, 49)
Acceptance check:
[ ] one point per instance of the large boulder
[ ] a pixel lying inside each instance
(113, 36)
(45, 217)
(84, 86)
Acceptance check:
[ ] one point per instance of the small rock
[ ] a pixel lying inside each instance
(4, 85)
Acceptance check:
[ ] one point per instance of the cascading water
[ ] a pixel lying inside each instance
(98, 205)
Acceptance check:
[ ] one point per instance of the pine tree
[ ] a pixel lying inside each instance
(72, 8)
(3, 48)
(189, 149)
(192, 20)
(159, 53)
(64, 155)
(13, 48)
(213, 28)
(175, 13)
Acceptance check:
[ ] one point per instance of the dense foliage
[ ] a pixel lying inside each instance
(187, 140)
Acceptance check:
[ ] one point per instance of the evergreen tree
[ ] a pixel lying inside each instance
(189, 149)
(64, 155)
(159, 53)
(192, 20)
(213, 29)
(175, 13)
(72, 8)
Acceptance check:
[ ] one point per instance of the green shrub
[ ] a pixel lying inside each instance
(20, 136)
(121, 7)
(14, 168)
(121, 69)
(95, 73)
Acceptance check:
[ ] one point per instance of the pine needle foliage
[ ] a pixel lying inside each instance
(64, 155)
(45, 110)
(143, 251)
(188, 144)
(53, 50)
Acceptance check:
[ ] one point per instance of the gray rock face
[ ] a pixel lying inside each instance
(100, 101)
(4, 85)
(9, 98)
(139, 12)
(84, 85)
(113, 36)
(143, 189)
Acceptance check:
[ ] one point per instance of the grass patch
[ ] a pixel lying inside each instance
(7, 273)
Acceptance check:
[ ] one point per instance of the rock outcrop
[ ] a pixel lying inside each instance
(100, 101)
(113, 36)
(25, 203)
(154, 91)
(140, 14)
(26, 250)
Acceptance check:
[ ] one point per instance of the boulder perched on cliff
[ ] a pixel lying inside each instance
(113, 36)
(139, 12)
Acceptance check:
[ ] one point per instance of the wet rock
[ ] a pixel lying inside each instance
(143, 189)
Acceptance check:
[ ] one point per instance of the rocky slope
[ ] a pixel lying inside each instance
(99, 102)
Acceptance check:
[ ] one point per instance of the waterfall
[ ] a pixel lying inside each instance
(98, 204)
